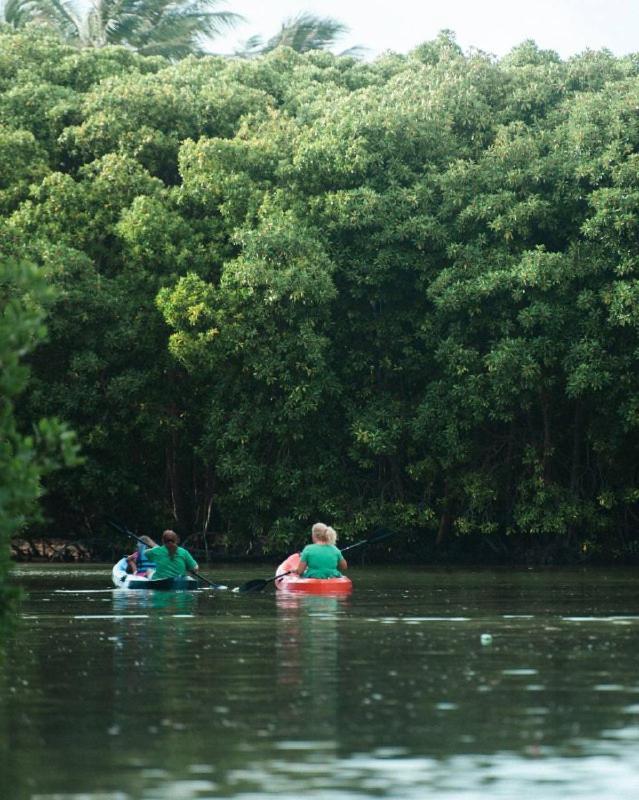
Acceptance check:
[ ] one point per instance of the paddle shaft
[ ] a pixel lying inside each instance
(281, 575)
(370, 540)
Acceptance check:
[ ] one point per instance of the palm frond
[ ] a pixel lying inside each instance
(17, 13)
(307, 32)
(173, 28)
(61, 16)
(357, 51)
(250, 48)
(112, 20)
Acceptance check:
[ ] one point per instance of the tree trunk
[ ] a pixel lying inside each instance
(173, 480)
(446, 518)
(576, 450)
(547, 446)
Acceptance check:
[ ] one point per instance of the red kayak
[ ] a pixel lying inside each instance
(293, 583)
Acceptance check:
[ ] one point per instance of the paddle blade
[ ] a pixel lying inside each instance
(212, 584)
(258, 584)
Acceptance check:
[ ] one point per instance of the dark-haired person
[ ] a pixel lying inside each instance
(170, 560)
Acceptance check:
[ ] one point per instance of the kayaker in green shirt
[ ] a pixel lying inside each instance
(170, 560)
(322, 559)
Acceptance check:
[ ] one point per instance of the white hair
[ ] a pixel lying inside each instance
(324, 533)
(318, 532)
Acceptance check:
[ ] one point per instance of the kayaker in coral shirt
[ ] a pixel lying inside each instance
(322, 559)
(170, 560)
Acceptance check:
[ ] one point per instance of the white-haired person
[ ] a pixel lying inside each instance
(322, 559)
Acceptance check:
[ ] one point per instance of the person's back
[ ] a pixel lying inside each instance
(322, 559)
(170, 560)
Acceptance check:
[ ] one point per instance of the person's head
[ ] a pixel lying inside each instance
(331, 535)
(320, 533)
(170, 540)
(147, 541)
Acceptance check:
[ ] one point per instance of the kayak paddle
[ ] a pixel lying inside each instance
(378, 537)
(124, 529)
(258, 584)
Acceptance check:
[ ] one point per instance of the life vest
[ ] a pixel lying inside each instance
(142, 563)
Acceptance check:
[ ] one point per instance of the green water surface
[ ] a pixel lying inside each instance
(422, 684)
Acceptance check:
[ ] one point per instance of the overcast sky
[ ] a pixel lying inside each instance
(568, 26)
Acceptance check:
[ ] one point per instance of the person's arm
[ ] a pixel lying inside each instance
(303, 563)
(132, 563)
(341, 563)
(191, 563)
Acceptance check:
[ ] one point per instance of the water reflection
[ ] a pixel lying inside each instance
(307, 652)
(388, 693)
(180, 603)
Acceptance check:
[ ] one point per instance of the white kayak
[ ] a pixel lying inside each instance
(126, 580)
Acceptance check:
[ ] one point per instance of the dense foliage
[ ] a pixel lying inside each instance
(399, 293)
(24, 457)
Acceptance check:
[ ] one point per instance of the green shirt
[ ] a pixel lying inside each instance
(167, 567)
(321, 561)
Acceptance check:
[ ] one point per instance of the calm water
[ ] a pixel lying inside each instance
(422, 684)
